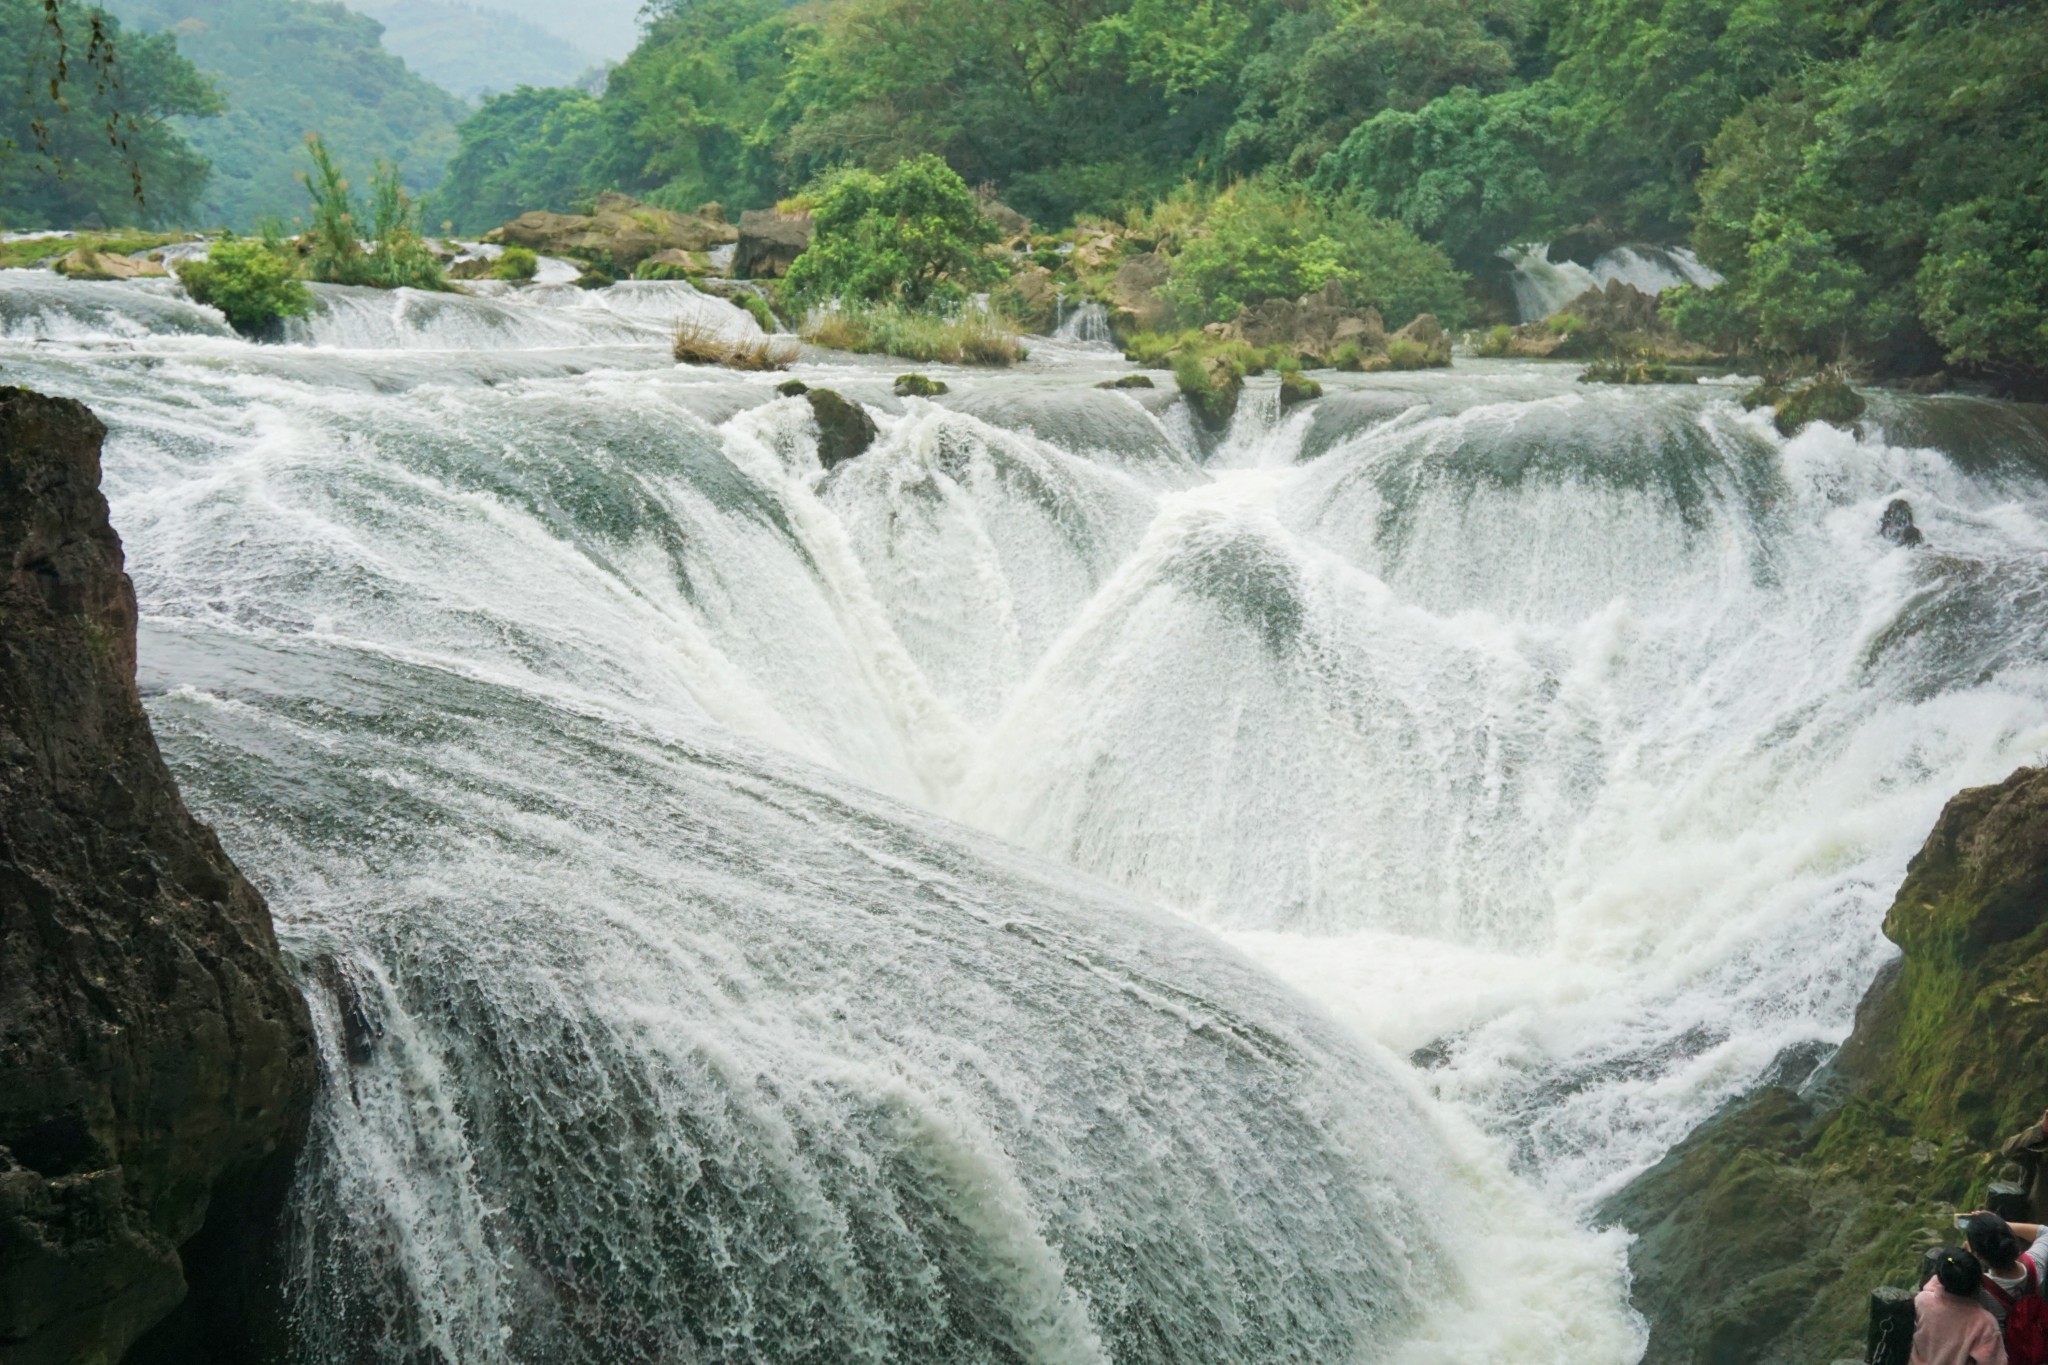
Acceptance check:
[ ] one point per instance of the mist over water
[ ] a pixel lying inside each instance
(760, 913)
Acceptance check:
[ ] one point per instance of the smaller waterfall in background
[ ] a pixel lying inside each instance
(1086, 324)
(1543, 286)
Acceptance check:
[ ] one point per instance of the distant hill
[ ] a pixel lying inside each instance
(608, 28)
(287, 68)
(473, 50)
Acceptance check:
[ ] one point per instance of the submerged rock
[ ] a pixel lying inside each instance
(769, 243)
(156, 1062)
(845, 430)
(1896, 525)
(1761, 1236)
(1128, 381)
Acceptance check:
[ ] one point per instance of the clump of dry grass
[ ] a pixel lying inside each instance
(703, 343)
(971, 339)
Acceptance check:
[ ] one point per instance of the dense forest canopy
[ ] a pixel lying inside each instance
(95, 144)
(287, 68)
(1870, 176)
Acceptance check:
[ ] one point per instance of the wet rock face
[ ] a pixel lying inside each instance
(845, 430)
(1896, 525)
(769, 243)
(1760, 1238)
(156, 1062)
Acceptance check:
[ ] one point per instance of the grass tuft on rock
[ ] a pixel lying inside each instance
(970, 339)
(704, 343)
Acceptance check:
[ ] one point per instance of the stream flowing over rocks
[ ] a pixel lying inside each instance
(1062, 884)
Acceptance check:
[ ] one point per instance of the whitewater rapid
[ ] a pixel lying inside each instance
(751, 909)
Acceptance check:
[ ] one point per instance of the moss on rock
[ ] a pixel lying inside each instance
(1760, 1237)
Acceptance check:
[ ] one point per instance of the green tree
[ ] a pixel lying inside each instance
(287, 68)
(1259, 242)
(87, 136)
(395, 257)
(911, 237)
(1469, 172)
(531, 149)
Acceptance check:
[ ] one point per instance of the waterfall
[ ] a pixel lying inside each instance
(1543, 286)
(977, 903)
(1085, 323)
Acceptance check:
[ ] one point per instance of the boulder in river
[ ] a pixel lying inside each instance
(88, 264)
(769, 243)
(618, 233)
(845, 430)
(1760, 1238)
(1896, 525)
(1314, 327)
(156, 1061)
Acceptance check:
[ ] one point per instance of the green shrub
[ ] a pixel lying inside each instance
(910, 239)
(1261, 243)
(515, 263)
(1565, 324)
(1497, 340)
(972, 339)
(1403, 354)
(255, 284)
(661, 270)
(1211, 382)
(397, 257)
(758, 309)
(1349, 355)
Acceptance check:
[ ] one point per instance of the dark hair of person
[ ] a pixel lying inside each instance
(1959, 1271)
(1992, 1239)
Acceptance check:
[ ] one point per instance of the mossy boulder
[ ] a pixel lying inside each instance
(917, 386)
(1827, 397)
(1422, 345)
(617, 234)
(1128, 381)
(845, 430)
(1296, 388)
(1760, 1238)
(1211, 382)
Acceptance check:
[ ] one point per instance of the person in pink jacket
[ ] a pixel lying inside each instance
(1954, 1326)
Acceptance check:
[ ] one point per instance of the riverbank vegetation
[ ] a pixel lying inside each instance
(1870, 178)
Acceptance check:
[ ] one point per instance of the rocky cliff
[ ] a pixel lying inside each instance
(155, 1061)
(1761, 1237)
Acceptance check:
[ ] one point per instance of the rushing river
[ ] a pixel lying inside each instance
(1059, 888)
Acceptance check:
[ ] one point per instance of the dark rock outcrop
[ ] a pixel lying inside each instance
(617, 234)
(1314, 327)
(1896, 525)
(1297, 388)
(845, 431)
(770, 242)
(156, 1063)
(1761, 1236)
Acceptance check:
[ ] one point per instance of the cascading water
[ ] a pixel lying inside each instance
(1085, 323)
(596, 749)
(1543, 286)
